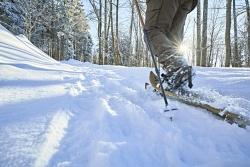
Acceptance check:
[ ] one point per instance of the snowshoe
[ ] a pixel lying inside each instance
(177, 72)
(193, 99)
(179, 78)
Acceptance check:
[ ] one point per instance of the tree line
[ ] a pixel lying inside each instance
(223, 38)
(221, 34)
(58, 27)
(116, 45)
(221, 31)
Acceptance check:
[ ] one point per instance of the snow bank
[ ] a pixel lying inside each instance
(19, 49)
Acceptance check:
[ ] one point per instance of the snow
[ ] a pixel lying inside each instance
(53, 137)
(80, 114)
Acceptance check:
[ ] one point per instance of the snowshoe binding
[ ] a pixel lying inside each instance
(177, 73)
(179, 78)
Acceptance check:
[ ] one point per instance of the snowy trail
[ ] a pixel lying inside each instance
(131, 130)
(79, 114)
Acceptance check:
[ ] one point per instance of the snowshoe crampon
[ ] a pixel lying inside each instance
(179, 78)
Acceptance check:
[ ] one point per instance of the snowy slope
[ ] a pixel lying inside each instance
(75, 114)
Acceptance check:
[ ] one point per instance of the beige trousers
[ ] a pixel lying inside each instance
(165, 20)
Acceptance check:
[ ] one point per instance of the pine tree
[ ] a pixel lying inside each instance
(12, 17)
(57, 27)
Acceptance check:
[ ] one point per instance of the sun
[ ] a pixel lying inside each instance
(183, 49)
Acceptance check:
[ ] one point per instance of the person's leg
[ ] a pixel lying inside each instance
(177, 27)
(159, 19)
(177, 70)
(175, 35)
(165, 21)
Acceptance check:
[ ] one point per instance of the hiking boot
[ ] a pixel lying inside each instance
(178, 73)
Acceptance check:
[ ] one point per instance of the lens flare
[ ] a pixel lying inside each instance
(183, 49)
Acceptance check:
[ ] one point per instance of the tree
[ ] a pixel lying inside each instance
(204, 34)
(98, 13)
(123, 46)
(130, 33)
(12, 17)
(248, 31)
(193, 46)
(236, 60)
(100, 33)
(33, 11)
(198, 50)
(215, 27)
(112, 55)
(105, 41)
(227, 33)
(117, 50)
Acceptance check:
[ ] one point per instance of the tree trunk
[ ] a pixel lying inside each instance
(204, 35)
(117, 50)
(227, 33)
(112, 32)
(141, 47)
(100, 33)
(131, 31)
(216, 57)
(136, 44)
(198, 49)
(105, 33)
(236, 62)
(53, 34)
(210, 57)
(193, 46)
(248, 32)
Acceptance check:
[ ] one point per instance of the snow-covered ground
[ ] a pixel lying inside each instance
(80, 114)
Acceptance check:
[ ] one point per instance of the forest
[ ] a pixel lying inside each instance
(217, 32)
(57, 27)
